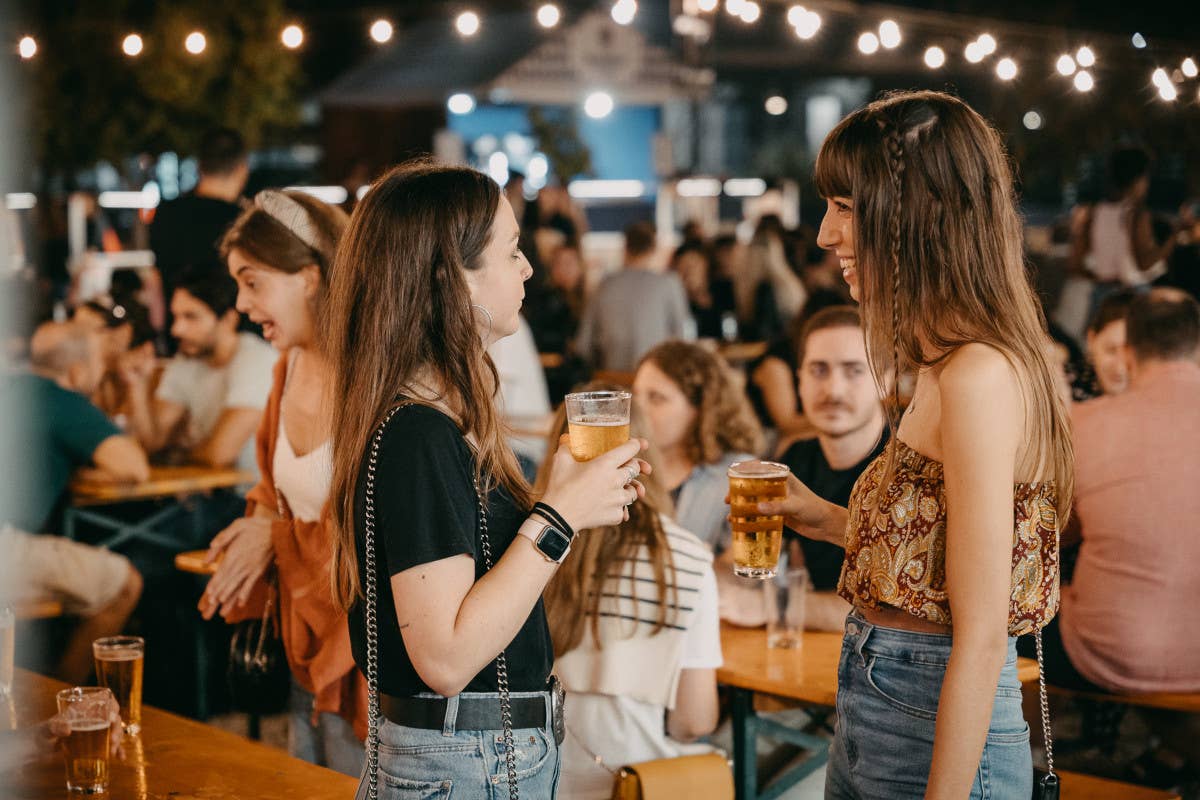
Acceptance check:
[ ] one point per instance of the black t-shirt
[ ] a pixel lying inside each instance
(780, 348)
(807, 462)
(184, 236)
(426, 510)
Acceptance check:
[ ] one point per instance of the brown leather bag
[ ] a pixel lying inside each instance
(702, 777)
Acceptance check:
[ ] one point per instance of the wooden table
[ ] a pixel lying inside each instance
(808, 676)
(165, 482)
(193, 561)
(174, 758)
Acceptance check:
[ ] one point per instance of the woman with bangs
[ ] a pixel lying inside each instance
(439, 554)
(951, 536)
(637, 638)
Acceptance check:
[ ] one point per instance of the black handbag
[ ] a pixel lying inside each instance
(258, 674)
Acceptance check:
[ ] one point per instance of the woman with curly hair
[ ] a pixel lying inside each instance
(701, 422)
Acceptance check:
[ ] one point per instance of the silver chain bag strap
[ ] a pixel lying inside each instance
(1045, 786)
(373, 713)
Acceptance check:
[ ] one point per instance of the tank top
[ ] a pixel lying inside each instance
(896, 544)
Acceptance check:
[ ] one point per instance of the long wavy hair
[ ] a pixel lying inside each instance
(725, 421)
(399, 314)
(939, 250)
(574, 593)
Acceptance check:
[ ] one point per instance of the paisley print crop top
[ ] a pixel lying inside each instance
(897, 557)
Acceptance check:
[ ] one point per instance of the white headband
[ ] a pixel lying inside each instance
(293, 216)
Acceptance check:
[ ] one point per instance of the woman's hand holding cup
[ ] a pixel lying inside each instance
(595, 493)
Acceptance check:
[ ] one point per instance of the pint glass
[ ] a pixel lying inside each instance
(597, 422)
(119, 663)
(85, 711)
(757, 538)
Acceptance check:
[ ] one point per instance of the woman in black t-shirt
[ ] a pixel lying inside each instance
(429, 494)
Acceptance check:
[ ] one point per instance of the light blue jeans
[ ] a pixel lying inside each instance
(889, 681)
(330, 743)
(422, 764)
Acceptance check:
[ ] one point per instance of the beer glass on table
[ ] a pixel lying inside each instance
(597, 422)
(757, 538)
(84, 711)
(119, 664)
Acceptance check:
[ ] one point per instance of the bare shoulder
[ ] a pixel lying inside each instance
(977, 370)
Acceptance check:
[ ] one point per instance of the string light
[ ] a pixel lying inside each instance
(461, 103)
(868, 43)
(776, 105)
(1065, 65)
(889, 34)
(807, 24)
(548, 15)
(623, 11)
(292, 37)
(467, 23)
(1032, 120)
(381, 31)
(1168, 92)
(1006, 69)
(751, 11)
(1085, 56)
(735, 7)
(598, 105)
(1160, 78)
(1139, 41)
(974, 52)
(707, 6)
(935, 57)
(987, 43)
(132, 45)
(1189, 68)
(195, 43)
(1083, 81)
(27, 47)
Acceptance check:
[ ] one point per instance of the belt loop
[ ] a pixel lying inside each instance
(862, 633)
(451, 717)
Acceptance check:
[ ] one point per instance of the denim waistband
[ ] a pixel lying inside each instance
(928, 648)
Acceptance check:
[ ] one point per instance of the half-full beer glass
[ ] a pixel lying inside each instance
(597, 422)
(119, 664)
(84, 710)
(757, 538)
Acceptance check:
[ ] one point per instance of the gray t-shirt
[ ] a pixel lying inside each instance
(206, 391)
(632, 311)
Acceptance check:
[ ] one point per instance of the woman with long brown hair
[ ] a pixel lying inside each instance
(280, 252)
(951, 535)
(701, 422)
(637, 639)
(437, 553)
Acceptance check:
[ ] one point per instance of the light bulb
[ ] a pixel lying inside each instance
(935, 57)
(868, 43)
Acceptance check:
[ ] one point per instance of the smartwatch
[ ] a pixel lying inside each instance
(549, 540)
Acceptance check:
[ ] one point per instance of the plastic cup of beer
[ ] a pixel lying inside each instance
(757, 538)
(597, 422)
(119, 664)
(84, 711)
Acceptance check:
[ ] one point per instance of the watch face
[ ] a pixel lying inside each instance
(553, 543)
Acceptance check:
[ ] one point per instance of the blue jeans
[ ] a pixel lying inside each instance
(889, 681)
(422, 764)
(330, 743)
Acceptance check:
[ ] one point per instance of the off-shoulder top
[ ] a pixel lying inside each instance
(896, 552)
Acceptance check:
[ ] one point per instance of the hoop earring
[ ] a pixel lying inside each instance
(487, 314)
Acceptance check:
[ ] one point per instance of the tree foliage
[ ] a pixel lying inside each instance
(92, 102)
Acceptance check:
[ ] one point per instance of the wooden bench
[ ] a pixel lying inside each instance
(1076, 786)
(31, 608)
(1186, 703)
